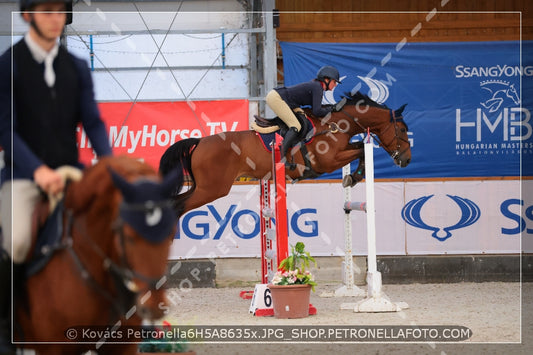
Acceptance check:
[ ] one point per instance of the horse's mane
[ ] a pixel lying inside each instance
(360, 98)
(96, 184)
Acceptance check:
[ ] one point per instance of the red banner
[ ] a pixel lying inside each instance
(146, 129)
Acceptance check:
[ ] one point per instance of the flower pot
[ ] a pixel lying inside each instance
(290, 301)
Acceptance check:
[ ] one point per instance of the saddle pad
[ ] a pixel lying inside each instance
(268, 138)
(48, 240)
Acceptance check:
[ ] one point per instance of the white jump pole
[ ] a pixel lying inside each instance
(376, 300)
(373, 277)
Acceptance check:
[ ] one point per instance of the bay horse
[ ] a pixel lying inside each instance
(214, 162)
(109, 265)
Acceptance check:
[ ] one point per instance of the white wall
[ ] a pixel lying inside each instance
(173, 67)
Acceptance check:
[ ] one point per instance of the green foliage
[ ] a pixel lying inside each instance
(293, 269)
(161, 346)
(162, 343)
(298, 260)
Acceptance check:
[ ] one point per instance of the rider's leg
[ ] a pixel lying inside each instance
(285, 113)
(6, 346)
(16, 215)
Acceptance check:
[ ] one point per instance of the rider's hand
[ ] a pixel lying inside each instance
(48, 180)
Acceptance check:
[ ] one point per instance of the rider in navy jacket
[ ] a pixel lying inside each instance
(45, 93)
(285, 101)
(45, 119)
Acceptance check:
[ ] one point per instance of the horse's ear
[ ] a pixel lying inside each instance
(124, 186)
(399, 111)
(172, 182)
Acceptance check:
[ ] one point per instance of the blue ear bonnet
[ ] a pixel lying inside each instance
(147, 207)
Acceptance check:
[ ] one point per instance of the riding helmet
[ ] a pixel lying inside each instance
(26, 5)
(328, 71)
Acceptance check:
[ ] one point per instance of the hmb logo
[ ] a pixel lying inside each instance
(498, 92)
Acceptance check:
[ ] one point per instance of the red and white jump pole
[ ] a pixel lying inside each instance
(280, 202)
(278, 211)
(261, 301)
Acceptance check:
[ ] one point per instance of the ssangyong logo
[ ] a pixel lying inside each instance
(494, 71)
(500, 125)
(470, 213)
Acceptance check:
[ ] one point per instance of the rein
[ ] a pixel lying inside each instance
(392, 122)
(125, 271)
(67, 244)
(123, 274)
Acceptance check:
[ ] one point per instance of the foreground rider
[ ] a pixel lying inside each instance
(285, 101)
(52, 92)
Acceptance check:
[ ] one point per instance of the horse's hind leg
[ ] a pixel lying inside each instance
(214, 171)
(203, 195)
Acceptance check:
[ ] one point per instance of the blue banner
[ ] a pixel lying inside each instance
(469, 103)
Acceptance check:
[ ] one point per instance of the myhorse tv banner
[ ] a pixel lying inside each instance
(146, 129)
(469, 111)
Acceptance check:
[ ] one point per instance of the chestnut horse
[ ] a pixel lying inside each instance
(214, 162)
(109, 266)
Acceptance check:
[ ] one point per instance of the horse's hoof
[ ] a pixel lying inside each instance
(347, 181)
(357, 179)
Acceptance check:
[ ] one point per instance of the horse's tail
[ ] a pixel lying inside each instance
(178, 156)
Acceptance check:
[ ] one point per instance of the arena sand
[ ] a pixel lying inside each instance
(499, 315)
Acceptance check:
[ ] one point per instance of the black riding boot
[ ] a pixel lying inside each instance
(291, 137)
(6, 347)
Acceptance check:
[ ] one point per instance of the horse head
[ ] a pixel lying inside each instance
(123, 219)
(144, 231)
(388, 125)
(400, 147)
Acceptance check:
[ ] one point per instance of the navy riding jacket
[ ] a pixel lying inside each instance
(305, 94)
(38, 123)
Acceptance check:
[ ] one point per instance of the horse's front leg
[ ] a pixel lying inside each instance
(354, 151)
(356, 176)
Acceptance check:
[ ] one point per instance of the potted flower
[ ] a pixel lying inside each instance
(162, 345)
(292, 284)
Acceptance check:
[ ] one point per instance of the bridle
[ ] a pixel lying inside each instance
(393, 122)
(123, 274)
(396, 153)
